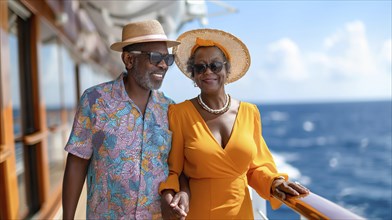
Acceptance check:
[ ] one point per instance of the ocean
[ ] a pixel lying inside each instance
(340, 151)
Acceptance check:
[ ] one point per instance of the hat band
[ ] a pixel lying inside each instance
(147, 37)
(209, 43)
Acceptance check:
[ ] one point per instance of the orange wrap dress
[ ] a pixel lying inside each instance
(219, 177)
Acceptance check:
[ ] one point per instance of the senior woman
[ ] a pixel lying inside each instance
(217, 140)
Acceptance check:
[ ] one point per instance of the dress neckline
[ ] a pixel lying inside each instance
(209, 130)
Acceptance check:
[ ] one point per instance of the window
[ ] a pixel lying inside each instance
(51, 90)
(69, 85)
(17, 112)
(90, 77)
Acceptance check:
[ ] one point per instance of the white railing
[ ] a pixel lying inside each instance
(309, 207)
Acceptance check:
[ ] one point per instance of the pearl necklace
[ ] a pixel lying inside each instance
(215, 111)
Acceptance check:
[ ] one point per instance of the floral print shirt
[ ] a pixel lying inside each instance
(128, 152)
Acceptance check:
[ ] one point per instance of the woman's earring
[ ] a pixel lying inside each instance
(194, 84)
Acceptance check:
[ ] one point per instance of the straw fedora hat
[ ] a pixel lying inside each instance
(141, 32)
(235, 50)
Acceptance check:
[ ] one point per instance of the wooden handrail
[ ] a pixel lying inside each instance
(58, 127)
(4, 154)
(35, 137)
(313, 206)
(40, 135)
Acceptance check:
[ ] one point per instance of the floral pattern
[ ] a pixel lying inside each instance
(128, 152)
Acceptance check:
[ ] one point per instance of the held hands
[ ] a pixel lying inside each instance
(280, 188)
(174, 205)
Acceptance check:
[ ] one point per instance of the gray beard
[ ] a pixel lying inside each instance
(144, 80)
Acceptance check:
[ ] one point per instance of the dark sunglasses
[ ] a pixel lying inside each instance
(156, 57)
(215, 67)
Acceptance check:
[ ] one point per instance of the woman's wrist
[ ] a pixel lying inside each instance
(280, 178)
(276, 182)
(167, 191)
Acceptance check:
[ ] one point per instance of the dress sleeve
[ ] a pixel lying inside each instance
(262, 170)
(79, 142)
(176, 155)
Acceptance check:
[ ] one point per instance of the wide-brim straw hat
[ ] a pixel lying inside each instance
(141, 32)
(237, 51)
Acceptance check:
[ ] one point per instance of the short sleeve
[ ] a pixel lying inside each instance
(79, 142)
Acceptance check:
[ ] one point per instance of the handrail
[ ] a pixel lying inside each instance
(313, 206)
(35, 137)
(4, 154)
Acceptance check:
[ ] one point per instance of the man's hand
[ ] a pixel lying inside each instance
(174, 206)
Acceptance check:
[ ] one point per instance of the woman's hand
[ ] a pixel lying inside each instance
(280, 187)
(174, 205)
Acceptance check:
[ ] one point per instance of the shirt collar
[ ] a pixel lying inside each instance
(120, 94)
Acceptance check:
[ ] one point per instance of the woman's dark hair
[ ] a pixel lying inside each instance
(191, 62)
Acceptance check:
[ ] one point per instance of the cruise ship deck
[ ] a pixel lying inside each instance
(51, 51)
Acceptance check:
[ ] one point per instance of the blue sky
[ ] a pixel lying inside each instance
(304, 51)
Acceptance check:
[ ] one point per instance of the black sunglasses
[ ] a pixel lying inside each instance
(215, 67)
(156, 57)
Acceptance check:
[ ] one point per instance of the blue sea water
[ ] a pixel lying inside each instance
(341, 151)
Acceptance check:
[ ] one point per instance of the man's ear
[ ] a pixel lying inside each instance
(127, 59)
